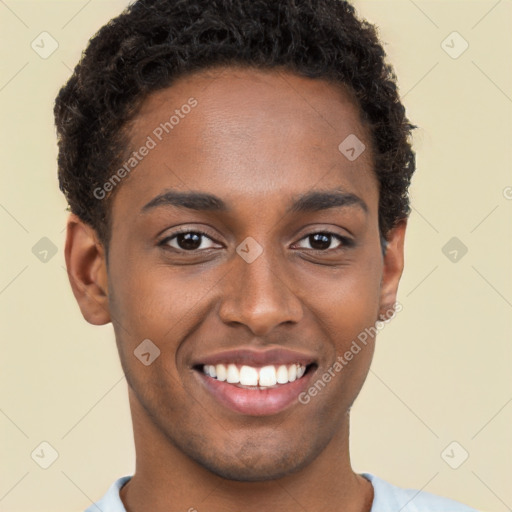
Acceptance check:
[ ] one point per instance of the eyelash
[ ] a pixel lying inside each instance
(345, 242)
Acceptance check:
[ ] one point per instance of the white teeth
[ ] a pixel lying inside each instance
(232, 375)
(268, 376)
(282, 374)
(220, 369)
(248, 376)
(292, 372)
(265, 376)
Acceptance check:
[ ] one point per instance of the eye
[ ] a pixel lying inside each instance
(321, 241)
(188, 241)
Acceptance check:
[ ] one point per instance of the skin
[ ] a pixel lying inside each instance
(257, 140)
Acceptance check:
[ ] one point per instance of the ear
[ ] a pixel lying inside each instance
(393, 267)
(87, 271)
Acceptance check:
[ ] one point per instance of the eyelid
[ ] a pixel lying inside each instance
(165, 240)
(344, 240)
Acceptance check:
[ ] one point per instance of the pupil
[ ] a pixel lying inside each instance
(320, 241)
(189, 241)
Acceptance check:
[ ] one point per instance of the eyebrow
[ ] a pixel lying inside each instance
(191, 200)
(322, 200)
(310, 202)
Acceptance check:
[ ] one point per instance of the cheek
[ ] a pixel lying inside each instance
(345, 306)
(160, 304)
(347, 298)
(347, 317)
(150, 300)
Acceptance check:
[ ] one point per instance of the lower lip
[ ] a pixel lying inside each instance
(256, 402)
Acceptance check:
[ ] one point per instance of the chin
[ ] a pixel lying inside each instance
(262, 472)
(250, 464)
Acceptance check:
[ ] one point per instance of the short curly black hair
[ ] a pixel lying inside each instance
(154, 42)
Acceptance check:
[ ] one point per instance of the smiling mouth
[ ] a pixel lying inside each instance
(252, 377)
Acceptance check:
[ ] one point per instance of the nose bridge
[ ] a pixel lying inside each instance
(258, 295)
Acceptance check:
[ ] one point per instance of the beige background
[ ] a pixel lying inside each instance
(442, 368)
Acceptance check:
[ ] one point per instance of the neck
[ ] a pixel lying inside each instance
(165, 478)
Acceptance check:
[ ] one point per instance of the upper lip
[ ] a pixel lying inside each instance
(251, 357)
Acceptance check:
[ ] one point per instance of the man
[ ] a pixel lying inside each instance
(237, 173)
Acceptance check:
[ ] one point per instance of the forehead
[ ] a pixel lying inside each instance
(249, 132)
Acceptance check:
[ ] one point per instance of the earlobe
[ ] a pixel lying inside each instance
(87, 271)
(393, 268)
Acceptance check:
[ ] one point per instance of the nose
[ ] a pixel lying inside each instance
(258, 296)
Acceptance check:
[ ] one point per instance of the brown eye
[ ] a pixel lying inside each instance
(188, 241)
(322, 241)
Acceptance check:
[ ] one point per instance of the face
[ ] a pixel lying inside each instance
(245, 239)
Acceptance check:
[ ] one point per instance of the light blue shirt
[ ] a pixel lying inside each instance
(387, 498)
